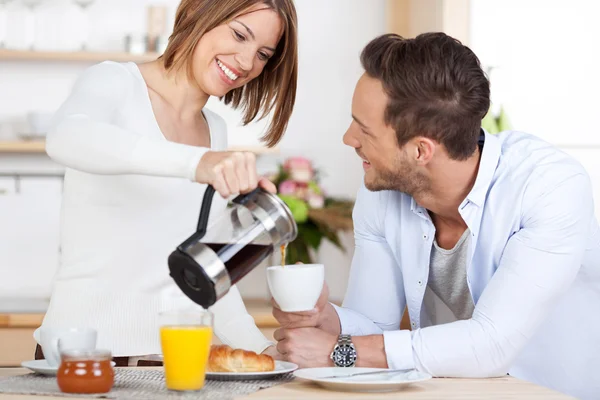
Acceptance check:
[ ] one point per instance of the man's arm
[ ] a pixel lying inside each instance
(374, 299)
(538, 265)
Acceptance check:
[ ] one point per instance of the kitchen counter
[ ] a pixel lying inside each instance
(449, 389)
(26, 313)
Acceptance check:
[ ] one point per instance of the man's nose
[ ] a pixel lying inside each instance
(350, 140)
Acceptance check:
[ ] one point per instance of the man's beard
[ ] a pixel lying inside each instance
(400, 178)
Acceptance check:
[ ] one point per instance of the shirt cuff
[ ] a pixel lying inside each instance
(346, 325)
(355, 324)
(398, 349)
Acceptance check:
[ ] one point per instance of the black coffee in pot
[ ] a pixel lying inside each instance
(244, 260)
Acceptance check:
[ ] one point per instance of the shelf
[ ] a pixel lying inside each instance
(40, 147)
(23, 147)
(23, 55)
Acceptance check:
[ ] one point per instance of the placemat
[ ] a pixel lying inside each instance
(140, 384)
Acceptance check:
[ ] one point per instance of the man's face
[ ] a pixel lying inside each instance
(387, 166)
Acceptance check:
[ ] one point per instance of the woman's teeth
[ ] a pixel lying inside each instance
(227, 71)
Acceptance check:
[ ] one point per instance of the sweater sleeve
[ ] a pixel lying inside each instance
(84, 136)
(234, 326)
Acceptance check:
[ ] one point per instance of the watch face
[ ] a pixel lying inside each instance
(345, 356)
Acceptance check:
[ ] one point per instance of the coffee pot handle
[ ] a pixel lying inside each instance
(204, 212)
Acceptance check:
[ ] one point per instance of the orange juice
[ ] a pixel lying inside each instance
(185, 355)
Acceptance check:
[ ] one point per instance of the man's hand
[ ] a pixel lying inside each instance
(323, 316)
(307, 347)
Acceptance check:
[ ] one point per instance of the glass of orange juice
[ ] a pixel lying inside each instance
(185, 338)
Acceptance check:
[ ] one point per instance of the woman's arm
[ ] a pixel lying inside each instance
(83, 135)
(234, 326)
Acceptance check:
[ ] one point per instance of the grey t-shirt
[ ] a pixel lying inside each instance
(448, 282)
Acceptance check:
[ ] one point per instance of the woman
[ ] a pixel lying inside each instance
(140, 148)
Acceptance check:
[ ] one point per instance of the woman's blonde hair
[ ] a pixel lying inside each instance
(274, 89)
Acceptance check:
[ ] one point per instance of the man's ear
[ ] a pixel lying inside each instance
(423, 150)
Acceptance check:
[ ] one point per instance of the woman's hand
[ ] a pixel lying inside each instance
(272, 351)
(231, 172)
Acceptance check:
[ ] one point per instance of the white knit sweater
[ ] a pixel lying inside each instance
(129, 200)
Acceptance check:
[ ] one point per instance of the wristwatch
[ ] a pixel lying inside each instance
(344, 353)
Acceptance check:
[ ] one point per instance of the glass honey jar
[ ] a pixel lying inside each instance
(85, 371)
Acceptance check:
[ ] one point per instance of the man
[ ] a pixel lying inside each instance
(490, 241)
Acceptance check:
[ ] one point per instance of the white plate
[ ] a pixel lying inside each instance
(42, 367)
(373, 383)
(281, 367)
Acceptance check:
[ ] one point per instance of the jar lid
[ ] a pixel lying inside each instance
(86, 355)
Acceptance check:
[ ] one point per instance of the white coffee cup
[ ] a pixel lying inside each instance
(55, 340)
(296, 287)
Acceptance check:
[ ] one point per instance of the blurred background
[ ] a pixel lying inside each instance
(541, 55)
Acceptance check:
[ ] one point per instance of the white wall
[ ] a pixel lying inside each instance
(546, 57)
(332, 34)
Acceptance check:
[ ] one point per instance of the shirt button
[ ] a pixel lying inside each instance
(424, 236)
(413, 324)
(420, 283)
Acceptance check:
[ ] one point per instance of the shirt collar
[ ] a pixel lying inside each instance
(490, 156)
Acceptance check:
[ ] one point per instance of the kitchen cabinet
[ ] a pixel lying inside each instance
(29, 234)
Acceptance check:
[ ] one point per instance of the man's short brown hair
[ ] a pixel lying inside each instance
(436, 89)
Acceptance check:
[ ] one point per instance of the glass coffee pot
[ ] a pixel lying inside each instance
(213, 259)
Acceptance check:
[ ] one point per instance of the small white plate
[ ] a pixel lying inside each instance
(281, 367)
(370, 383)
(42, 367)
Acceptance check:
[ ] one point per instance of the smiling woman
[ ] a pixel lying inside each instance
(224, 45)
(140, 148)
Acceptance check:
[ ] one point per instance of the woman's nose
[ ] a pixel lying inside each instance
(244, 61)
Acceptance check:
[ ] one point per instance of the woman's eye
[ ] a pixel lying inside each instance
(263, 56)
(239, 36)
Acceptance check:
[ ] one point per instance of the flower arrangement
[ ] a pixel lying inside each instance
(317, 215)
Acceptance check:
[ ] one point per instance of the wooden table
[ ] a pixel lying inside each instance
(496, 388)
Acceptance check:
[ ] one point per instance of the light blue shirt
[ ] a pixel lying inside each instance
(533, 271)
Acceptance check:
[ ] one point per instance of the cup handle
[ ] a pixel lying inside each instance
(56, 347)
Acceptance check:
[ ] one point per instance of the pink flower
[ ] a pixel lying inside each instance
(315, 200)
(299, 168)
(297, 162)
(302, 191)
(287, 187)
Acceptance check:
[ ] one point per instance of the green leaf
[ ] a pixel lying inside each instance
(489, 123)
(298, 207)
(310, 234)
(331, 235)
(297, 251)
(314, 187)
(503, 121)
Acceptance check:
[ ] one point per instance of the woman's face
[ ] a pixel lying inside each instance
(232, 54)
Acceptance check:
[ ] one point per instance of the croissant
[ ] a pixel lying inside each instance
(223, 358)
